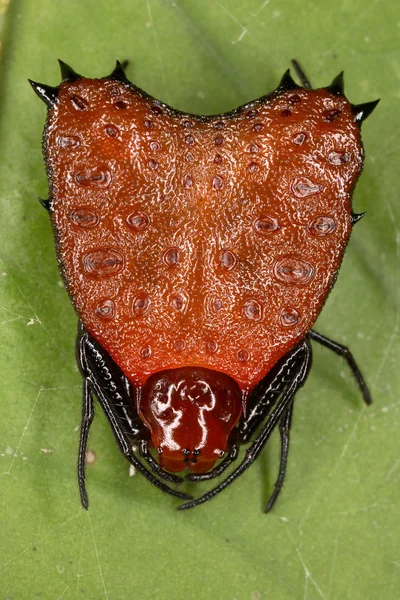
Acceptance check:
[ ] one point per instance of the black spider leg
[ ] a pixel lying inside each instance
(153, 464)
(285, 423)
(122, 403)
(294, 368)
(262, 399)
(112, 380)
(98, 378)
(259, 404)
(348, 356)
(219, 469)
(284, 431)
(301, 75)
(87, 419)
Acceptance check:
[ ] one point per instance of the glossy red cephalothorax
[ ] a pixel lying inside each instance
(198, 252)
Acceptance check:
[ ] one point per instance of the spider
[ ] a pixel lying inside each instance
(174, 400)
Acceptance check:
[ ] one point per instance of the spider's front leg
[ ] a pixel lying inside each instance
(270, 404)
(104, 379)
(276, 385)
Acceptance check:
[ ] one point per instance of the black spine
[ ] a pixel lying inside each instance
(362, 111)
(47, 93)
(67, 73)
(337, 85)
(357, 217)
(287, 83)
(118, 74)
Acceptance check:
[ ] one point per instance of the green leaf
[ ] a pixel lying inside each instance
(335, 530)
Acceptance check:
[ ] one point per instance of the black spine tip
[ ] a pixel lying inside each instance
(287, 83)
(357, 217)
(362, 111)
(68, 73)
(119, 74)
(47, 204)
(337, 85)
(48, 94)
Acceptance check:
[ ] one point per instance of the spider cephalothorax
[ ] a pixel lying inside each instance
(198, 252)
(190, 413)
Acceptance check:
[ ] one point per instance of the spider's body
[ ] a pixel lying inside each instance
(198, 253)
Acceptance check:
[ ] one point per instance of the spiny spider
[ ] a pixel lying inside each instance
(198, 252)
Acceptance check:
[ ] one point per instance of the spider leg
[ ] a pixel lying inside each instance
(153, 464)
(265, 395)
(301, 75)
(284, 429)
(348, 356)
(260, 403)
(94, 363)
(100, 378)
(219, 469)
(126, 448)
(118, 388)
(297, 362)
(87, 419)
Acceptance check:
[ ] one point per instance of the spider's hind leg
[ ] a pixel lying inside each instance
(349, 358)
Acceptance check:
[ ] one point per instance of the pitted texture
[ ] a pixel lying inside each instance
(199, 241)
